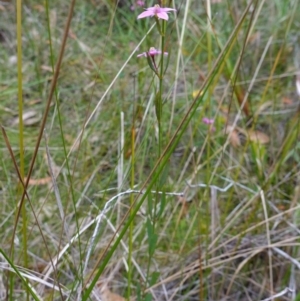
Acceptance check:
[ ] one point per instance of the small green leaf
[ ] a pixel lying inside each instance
(152, 238)
(150, 204)
(164, 176)
(150, 229)
(154, 278)
(162, 205)
(148, 297)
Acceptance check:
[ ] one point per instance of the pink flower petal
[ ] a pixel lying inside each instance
(152, 9)
(163, 15)
(166, 9)
(153, 51)
(140, 3)
(142, 54)
(145, 14)
(207, 120)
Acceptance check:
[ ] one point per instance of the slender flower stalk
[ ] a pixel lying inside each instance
(154, 214)
(160, 93)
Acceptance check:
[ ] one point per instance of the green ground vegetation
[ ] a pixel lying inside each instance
(119, 201)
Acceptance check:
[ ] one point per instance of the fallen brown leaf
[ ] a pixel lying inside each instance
(287, 101)
(34, 101)
(258, 137)
(30, 117)
(47, 68)
(41, 181)
(234, 138)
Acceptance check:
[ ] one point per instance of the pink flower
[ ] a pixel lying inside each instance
(140, 3)
(207, 120)
(152, 52)
(157, 11)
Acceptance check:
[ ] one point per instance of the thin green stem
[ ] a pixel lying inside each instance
(159, 182)
(130, 244)
(210, 93)
(161, 86)
(21, 131)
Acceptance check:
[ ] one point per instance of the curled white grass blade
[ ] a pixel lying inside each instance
(121, 160)
(49, 269)
(284, 292)
(262, 197)
(201, 185)
(294, 261)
